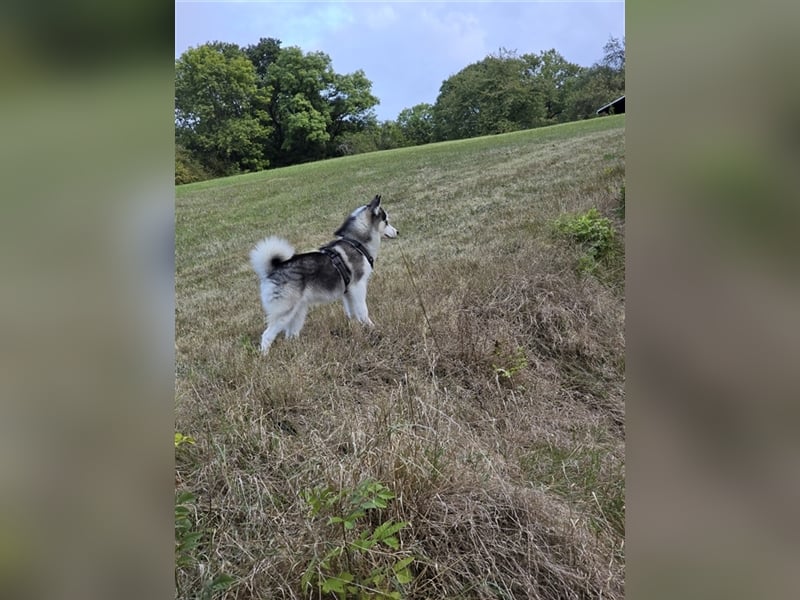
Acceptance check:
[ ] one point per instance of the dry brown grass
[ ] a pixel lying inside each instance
(498, 422)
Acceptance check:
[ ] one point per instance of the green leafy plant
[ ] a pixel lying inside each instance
(181, 439)
(513, 364)
(364, 562)
(593, 232)
(187, 538)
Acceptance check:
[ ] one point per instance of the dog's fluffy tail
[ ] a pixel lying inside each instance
(268, 254)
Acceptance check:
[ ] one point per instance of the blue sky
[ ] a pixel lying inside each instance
(407, 49)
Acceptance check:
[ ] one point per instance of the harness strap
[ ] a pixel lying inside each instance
(358, 246)
(338, 263)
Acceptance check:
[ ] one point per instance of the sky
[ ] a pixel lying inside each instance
(407, 49)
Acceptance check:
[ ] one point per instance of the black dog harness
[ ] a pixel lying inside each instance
(338, 263)
(358, 246)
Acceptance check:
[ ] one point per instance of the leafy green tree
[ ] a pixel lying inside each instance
(506, 92)
(359, 142)
(495, 95)
(293, 85)
(216, 115)
(262, 55)
(551, 76)
(375, 136)
(311, 106)
(245, 108)
(187, 167)
(390, 135)
(351, 104)
(588, 93)
(603, 82)
(614, 55)
(416, 123)
(306, 129)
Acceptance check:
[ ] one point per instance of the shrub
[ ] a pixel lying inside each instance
(187, 168)
(594, 233)
(364, 562)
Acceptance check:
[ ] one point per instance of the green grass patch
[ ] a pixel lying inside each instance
(589, 476)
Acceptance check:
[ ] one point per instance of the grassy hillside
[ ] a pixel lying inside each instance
(488, 399)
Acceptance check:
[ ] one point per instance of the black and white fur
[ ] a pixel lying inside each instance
(291, 283)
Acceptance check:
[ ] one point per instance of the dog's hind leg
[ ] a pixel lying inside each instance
(298, 320)
(290, 322)
(277, 323)
(269, 335)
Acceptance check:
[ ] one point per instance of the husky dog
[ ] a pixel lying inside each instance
(290, 282)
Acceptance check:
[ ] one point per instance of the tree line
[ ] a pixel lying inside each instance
(240, 109)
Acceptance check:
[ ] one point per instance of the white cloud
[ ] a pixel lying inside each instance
(306, 25)
(458, 35)
(380, 17)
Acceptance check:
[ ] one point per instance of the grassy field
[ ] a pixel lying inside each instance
(482, 418)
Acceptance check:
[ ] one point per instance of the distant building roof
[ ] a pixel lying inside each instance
(617, 105)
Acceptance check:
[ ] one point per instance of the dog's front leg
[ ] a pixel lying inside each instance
(358, 304)
(348, 305)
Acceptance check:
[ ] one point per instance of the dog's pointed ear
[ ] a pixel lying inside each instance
(376, 202)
